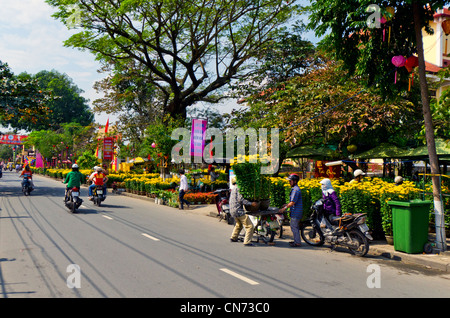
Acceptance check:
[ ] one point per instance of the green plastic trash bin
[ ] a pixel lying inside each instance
(410, 225)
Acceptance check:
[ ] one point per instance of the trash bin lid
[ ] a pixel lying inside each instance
(410, 203)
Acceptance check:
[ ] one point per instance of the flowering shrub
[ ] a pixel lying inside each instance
(370, 196)
(201, 197)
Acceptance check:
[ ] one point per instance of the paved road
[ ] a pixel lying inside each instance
(134, 248)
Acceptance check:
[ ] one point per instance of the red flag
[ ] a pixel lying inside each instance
(106, 127)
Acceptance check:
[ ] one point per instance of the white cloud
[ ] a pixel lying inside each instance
(31, 40)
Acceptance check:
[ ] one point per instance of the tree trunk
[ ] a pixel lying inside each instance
(429, 133)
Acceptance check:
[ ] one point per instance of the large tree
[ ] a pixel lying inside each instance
(129, 95)
(191, 49)
(22, 102)
(364, 51)
(67, 106)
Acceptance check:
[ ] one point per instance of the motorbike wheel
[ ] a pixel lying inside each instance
(363, 248)
(271, 236)
(25, 191)
(281, 231)
(311, 235)
(98, 201)
(73, 206)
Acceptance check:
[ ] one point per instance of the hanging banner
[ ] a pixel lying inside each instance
(323, 171)
(198, 133)
(39, 160)
(12, 139)
(108, 148)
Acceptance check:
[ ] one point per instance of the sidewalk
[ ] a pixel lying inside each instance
(434, 261)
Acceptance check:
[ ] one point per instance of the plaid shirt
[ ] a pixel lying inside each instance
(236, 203)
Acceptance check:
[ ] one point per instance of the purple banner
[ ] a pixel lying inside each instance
(198, 136)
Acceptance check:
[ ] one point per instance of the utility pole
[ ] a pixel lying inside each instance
(429, 132)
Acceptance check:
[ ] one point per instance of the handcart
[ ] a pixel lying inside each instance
(266, 224)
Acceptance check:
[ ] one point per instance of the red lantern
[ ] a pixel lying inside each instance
(446, 28)
(411, 63)
(398, 61)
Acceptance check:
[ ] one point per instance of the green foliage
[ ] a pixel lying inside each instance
(87, 160)
(253, 185)
(22, 102)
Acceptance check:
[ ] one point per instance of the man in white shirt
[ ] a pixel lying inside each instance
(183, 189)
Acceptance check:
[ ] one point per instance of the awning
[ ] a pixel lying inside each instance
(442, 150)
(384, 150)
(138, 160)
(310, 151)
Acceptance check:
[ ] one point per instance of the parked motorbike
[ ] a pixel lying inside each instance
(72, 199)
(222, 200)
(26, 186)
(350, 231)
(97, 195)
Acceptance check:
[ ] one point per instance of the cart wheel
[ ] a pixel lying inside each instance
(428, 248)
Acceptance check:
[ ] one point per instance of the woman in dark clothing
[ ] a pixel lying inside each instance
(331, 204)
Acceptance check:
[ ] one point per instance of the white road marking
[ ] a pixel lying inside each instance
(107, 217)
(245, 279)
(150, 237)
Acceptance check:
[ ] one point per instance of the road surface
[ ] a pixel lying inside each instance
(134, 248)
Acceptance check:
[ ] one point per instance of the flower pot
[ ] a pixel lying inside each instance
(389, 239)
(253, 207)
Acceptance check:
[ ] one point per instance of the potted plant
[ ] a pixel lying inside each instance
(253, 186)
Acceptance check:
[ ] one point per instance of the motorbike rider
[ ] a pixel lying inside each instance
(26, 172)
(73, 179)
(98, 178)
(295, 206)
(331, 204)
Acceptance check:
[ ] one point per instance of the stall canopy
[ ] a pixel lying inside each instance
(310, 151)
(384, 150)
(138, 160)
(442, 150)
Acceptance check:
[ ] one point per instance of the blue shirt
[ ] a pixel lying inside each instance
(296, 197)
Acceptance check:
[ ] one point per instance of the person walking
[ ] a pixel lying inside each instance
(295, 207)
(182, 190)
(238, 213)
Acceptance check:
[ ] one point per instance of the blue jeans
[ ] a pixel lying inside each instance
(91, 188)
(182, 200)
(295, 228)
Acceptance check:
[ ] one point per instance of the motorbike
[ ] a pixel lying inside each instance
(26, 186)
(97, 195)
(349, 231)
(222, 200)
(72, 199)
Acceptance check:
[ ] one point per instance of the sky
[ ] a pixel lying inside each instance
(31, 40)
